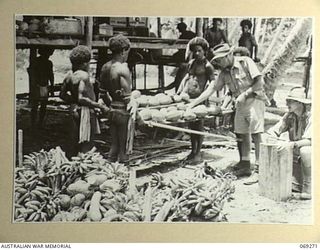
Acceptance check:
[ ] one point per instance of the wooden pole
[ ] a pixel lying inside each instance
(89, 29)
(20, 147)
(199, 22)
(147, 204)
(275, 172)
(190, 131)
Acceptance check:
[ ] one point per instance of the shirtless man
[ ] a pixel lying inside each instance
(115, 81)
(200, 73)
(78, 91)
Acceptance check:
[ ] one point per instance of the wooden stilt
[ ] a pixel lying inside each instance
(20, 147)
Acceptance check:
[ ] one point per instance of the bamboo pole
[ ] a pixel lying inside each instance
(89, 29)
(20, 147)
(190, 131)
(273, 42)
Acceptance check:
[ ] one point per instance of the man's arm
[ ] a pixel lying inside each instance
(85, 101)
(255, 44)
(51, 79)
(204, 96)
(64, 95)
(125, 82)
(103, 93)
(224, 36)
(182, 84)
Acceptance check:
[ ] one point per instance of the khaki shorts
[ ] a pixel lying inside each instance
(249, 117)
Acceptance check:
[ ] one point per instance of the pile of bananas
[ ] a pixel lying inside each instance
(199, 198)
(41, 185)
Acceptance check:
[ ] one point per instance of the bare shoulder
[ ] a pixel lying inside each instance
(123, 69)
(80, 75)
(106, 66)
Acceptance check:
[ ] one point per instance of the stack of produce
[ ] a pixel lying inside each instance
(199, 198)
(49, 187)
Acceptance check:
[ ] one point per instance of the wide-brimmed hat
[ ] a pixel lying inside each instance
(221, 50)
(298, 94)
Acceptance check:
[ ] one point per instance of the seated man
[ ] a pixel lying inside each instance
(297, 122)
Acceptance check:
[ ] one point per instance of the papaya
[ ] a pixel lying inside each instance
(165, 100)
(157, 116)
(200, 111)
(214, 110)
(181, 106)
(145, 114)
(77, 200)
(96, 179)
(94, 213)
(185, 97)
(188, 115)
(153, 101)
(174, 115)
(177, 98)
(79, 187)
(135, 94)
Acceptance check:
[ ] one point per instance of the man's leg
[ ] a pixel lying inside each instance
(34, 112)
(305, 153)
(114, 149)
(239, 146)
(194, 142)
(42, 113)
(122, 137)
(199, 139)
(257, 139)
(243, 167)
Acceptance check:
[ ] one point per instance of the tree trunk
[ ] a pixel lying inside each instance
(284, 58)
(258, 28)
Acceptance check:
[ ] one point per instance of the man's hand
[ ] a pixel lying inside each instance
(241, 98)
(283, 145)
(132, 107)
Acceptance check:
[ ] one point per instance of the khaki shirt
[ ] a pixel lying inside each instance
(240, 76)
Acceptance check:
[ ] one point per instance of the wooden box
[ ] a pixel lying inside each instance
(65, 26)
(275, 172)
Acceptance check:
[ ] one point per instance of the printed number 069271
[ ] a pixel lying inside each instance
(308, 246)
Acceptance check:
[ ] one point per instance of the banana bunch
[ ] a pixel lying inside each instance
(156, 179)
(199, 197)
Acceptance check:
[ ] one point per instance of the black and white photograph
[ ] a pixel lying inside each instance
(163, 119)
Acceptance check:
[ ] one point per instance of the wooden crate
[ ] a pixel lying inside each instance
(65, 26)
(275, 172)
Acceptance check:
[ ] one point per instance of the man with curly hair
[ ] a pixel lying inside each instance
(200, 74)
(248, 40)
(116, 83)
(78, 91)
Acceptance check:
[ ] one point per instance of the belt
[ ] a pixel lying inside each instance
(118, 105)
